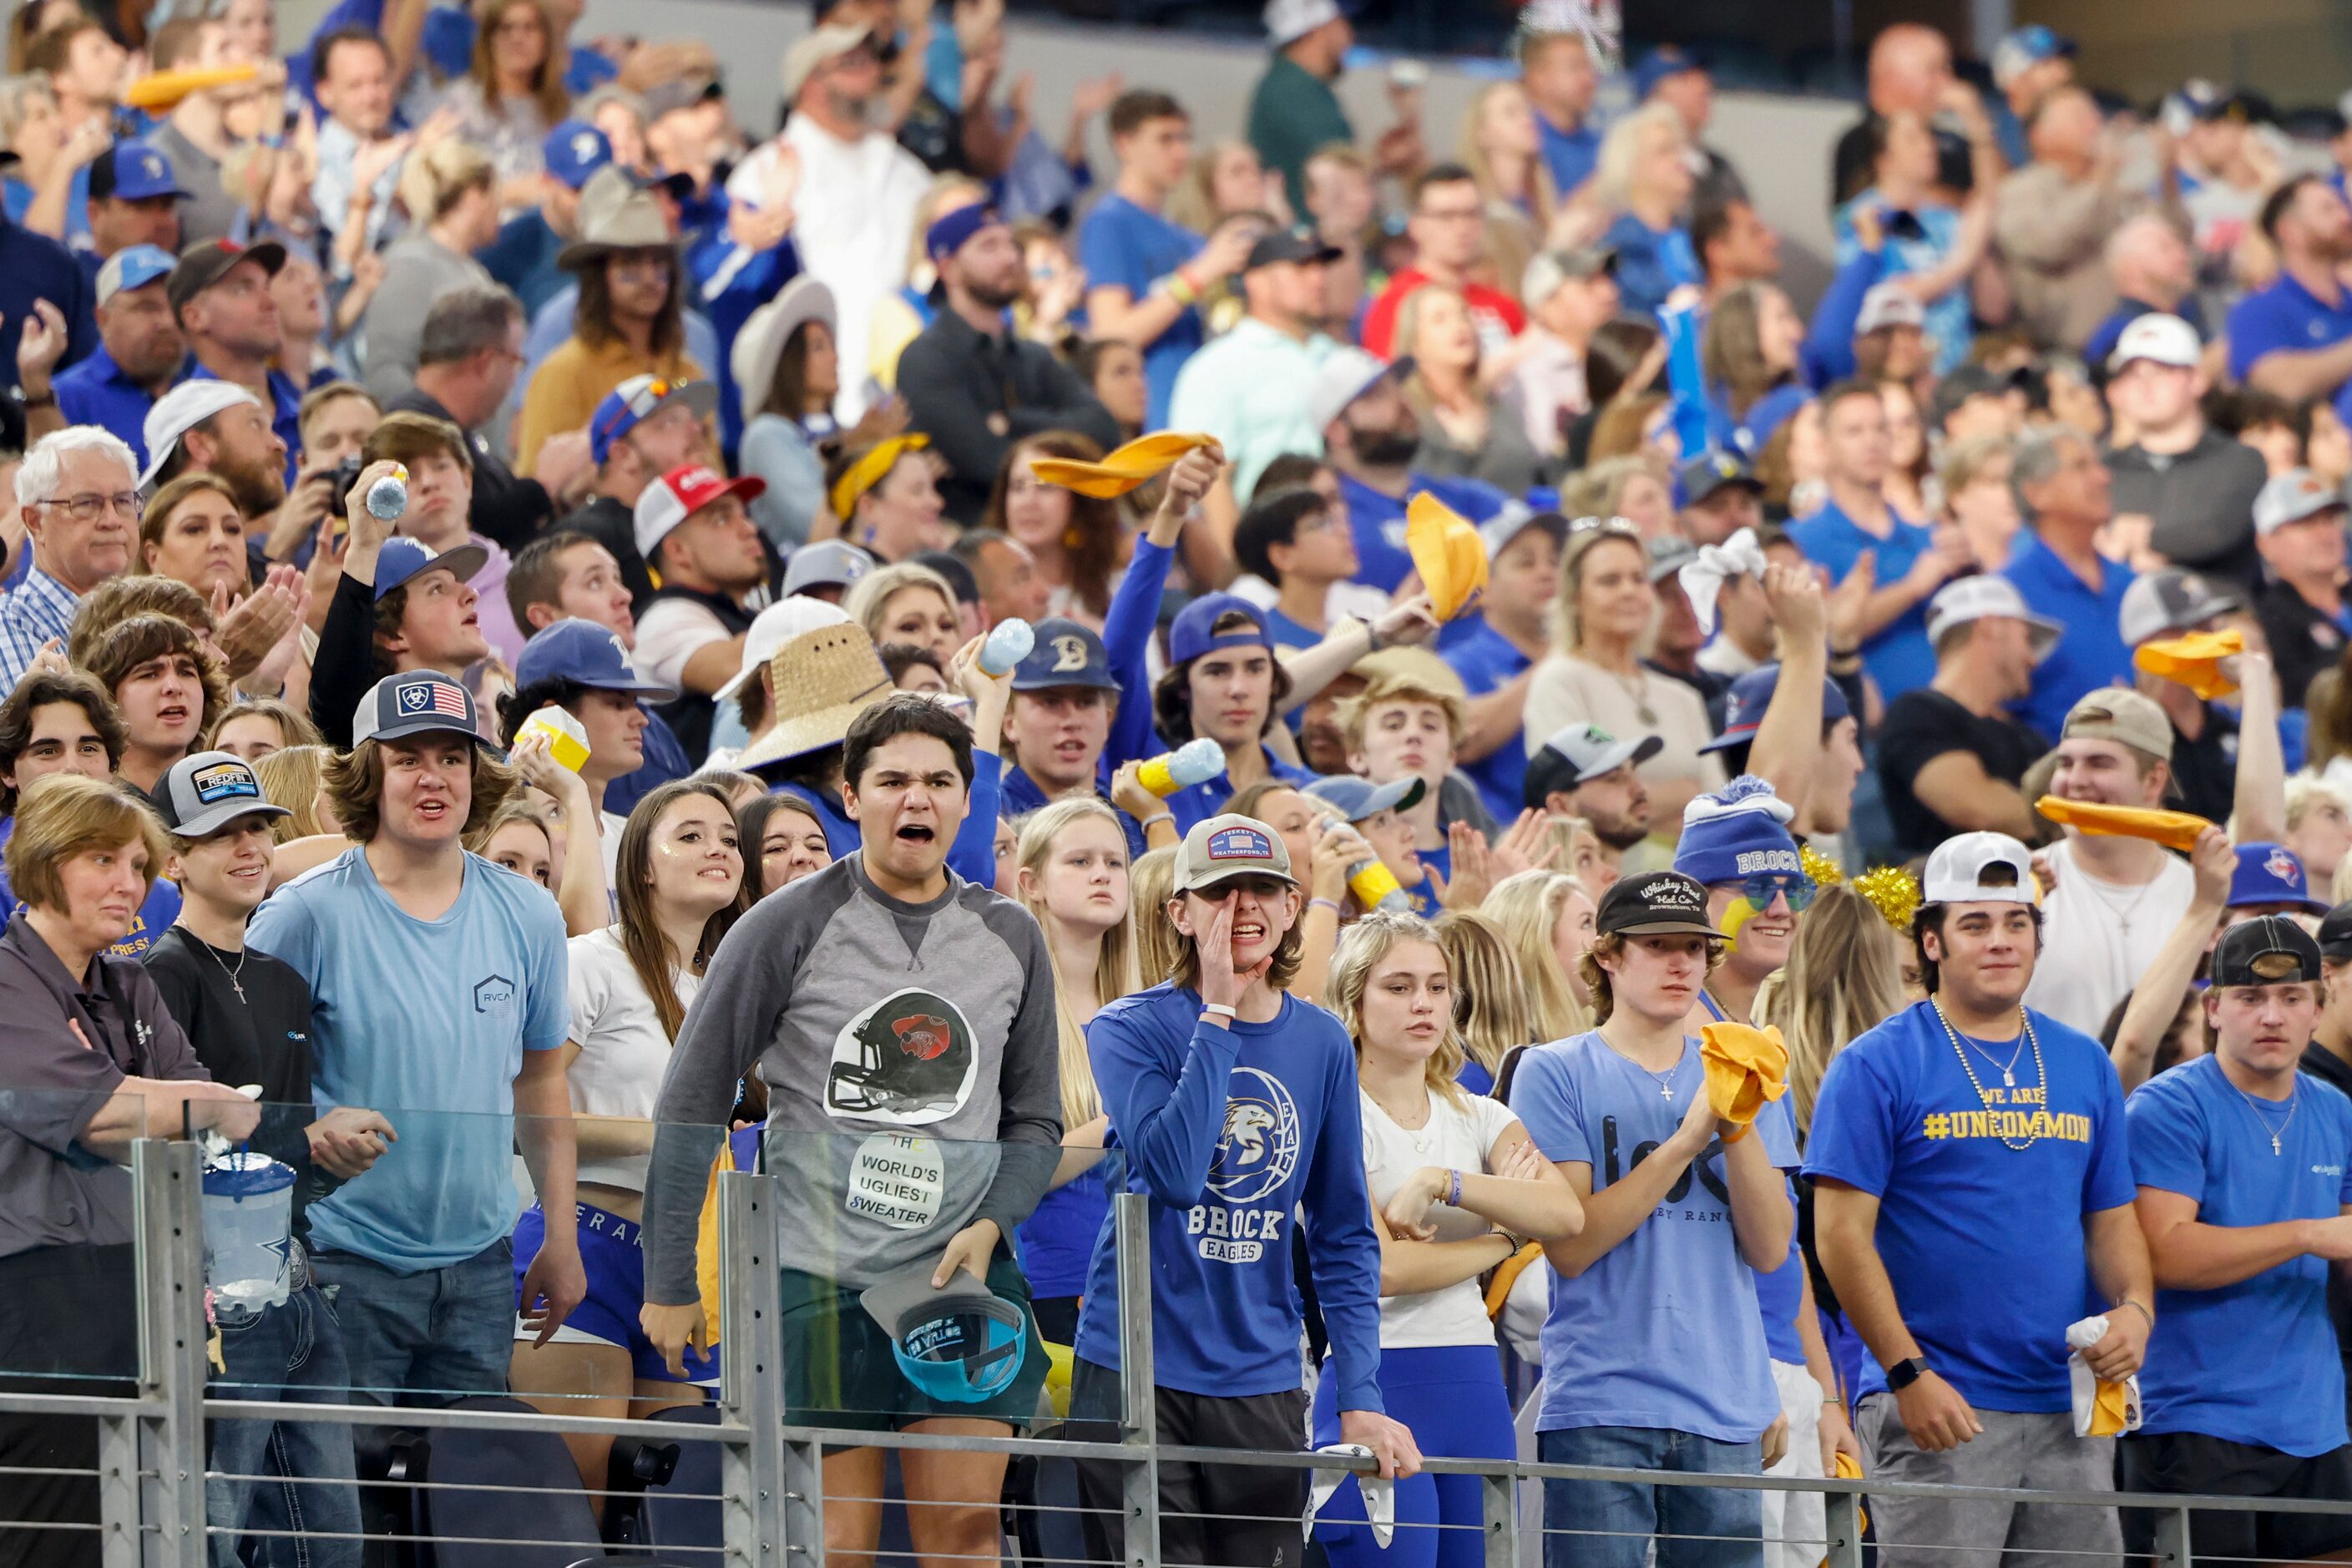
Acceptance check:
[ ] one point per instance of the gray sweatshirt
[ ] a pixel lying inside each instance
(912, 1068)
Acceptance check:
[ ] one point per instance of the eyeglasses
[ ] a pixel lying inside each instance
(86, 508)
(1761, 890)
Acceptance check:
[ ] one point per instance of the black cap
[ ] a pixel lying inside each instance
(2336, 933)
(1702, 476)
(1289, 245)
(2269, 950)
(1657, 903)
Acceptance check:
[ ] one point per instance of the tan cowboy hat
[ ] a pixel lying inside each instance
(822, 680)
(762, 342)
(615, 214)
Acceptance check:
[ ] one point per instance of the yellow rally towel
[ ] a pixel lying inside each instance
(2173, 830)
(1507, 1273)
(1137, 463)
(1745, 1068)
(706, 1248)
(2101, 1409)
(1060, 1362)
(2194, 660)
(1446, 552)
(161, 92)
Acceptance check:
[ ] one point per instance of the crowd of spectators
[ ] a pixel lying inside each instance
(493, 692)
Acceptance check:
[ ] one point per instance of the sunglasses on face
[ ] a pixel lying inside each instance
(1761, 890)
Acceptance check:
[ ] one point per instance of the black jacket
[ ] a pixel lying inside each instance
(954, 379)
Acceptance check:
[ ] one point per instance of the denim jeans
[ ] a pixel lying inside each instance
(292, 1353)
(1616, 1519)
(426, 1339)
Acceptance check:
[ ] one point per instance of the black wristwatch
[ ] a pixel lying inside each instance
(1904, 1373)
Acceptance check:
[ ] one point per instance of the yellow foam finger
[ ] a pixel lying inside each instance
(2173, 830)
(162, 91)
(2195, 660)
(1447, 553)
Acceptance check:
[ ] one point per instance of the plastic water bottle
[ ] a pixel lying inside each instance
(1006, 647)
(248, 1220)
(1194, 761)
(387, 498)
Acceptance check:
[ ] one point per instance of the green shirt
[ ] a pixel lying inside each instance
(1293, 115)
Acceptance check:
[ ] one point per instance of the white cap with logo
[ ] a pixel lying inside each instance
(2167, 339)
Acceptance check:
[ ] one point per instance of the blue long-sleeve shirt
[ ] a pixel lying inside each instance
(1829, 343)
(1229, 1131)
(1126, 640)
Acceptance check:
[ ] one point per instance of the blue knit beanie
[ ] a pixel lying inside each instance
(1741, 831)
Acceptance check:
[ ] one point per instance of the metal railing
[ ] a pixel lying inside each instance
(151, 1473)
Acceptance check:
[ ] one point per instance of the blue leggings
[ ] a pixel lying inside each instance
(1452, 1396)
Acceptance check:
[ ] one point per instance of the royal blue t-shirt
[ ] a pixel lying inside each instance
(1983, 1243)
(2256, 1361)
(1230, 1132)
(1487, 662)
(1057, 1242)
(1121, 243)
(1898, 657)
(1287, 633)
(1198, 803)
(1382, 560)
(2092, 652)
(2284, 316)
(1570, 155)
(1662, 1330)
(1651, 263)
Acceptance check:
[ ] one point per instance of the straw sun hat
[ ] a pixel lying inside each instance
(822, 679)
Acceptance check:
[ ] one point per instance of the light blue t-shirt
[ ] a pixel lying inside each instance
(1663, 1332)
(421, 1020)
(2255, 1361)
(1982, 1240)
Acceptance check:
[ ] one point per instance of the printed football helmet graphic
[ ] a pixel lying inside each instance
(907, 1058)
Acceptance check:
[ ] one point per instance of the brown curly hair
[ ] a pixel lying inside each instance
(354, 786)
(153, 636)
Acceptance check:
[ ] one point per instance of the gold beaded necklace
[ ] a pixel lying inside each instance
(2041, 1072)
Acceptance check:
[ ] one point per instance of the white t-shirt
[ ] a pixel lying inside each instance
(1455, 1138)
(670, 632)
(2090, 961)
(623, 1051)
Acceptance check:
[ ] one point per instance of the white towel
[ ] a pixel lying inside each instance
(2081, 1337)
(1379, 1496)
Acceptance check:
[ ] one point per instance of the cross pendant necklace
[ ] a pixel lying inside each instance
(235, 985)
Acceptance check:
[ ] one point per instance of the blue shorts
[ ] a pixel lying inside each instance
(615, 1266)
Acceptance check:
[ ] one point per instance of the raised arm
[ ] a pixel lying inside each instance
(2155, 998)
(2258, 805)
(1135, 607)
(1788, 739)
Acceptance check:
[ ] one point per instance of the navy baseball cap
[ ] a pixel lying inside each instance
(947, 235)
(134, 172)
(2336, 933)
(575, 149)
(638, 399)
(402, 558)
(1066, 654)
(1192, 634)
(1359, 798)
(2271, 874)
(419, 702)
(585, 654)
(1743, 708)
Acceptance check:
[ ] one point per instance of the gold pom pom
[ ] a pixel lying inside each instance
(1893, 892)
(1824, 871)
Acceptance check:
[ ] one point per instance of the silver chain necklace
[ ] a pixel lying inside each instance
(225, 969)
(2293, 1102)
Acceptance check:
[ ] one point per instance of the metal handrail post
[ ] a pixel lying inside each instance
(1138, 1424)
(2173, 1548)
(750, 1379)
(1499, 1496)
(173, 1331)
(1842, 1512)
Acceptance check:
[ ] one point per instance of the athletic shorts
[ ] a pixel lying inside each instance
(616, 1264)
(2192, 1463)
(839, 1370)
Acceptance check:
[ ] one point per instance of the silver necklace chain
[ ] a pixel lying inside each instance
(2294, 1104)
(235, 984)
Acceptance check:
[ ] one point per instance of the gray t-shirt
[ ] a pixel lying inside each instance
(210, 212)
(912, 1068)
(2201, 504)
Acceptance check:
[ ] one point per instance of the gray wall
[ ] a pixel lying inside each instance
(1780, 145)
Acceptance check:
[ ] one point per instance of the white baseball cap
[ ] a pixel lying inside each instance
(1956, 871)
(1286, 21)
(2292, 497)
(180, 410)
(1888, 305)
(774, 627)
(1980, 597)
(2167, 339)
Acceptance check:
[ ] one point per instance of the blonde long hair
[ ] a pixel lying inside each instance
(1116, 972)
(1151, 883)
(1363, 947)
(1490, 1000)
(1526, 909)
(1844, 975)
